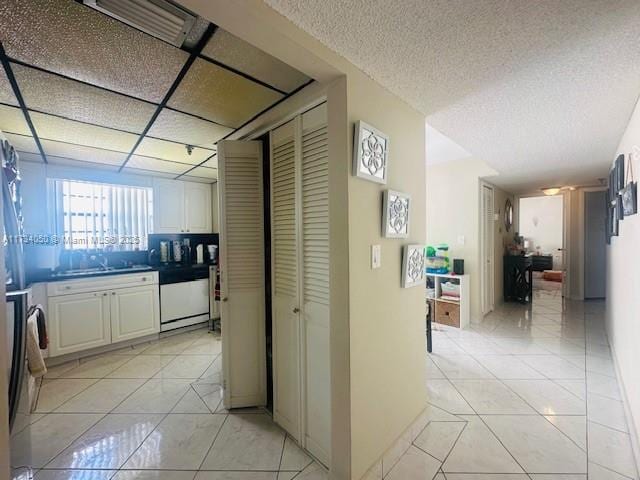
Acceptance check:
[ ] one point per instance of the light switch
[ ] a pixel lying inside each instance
(460, 239)
(376, 260)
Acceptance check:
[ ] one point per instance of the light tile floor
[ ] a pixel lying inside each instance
(528, 393)
(152, 412)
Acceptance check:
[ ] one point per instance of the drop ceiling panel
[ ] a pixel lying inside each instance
(53, 160)
(30, 157)
(77, 101)
(156, 165)
(178, 127)
(69, 38)
(146, 173)
(12, 120)
(219, 95)
(68, 131)
(243, 56)
(81, 153)
(22, 143)
(6, 92)
(189, 178)
(204, 172)
(176, 152)
(212, 163)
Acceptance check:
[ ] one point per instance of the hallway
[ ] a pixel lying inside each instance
(527, 391)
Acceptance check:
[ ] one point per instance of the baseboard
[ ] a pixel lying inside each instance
(381, 467)
(633, 434)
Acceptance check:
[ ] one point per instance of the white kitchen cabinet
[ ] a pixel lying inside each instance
(197, 200)
(88, 313)
(181, 207)
(78, 322)
(168, 206)
(134, 312)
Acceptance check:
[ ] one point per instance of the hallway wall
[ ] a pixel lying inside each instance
(453, 211)
(540, 222)
(623, 299)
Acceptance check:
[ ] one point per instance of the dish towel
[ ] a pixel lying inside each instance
(43, 339)
(35, 362)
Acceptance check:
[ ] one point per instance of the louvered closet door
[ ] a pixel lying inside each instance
(285, 278)
(242, 273)
(314, 227)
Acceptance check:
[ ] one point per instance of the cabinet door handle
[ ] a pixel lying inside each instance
(67, 287)
(144, 279)
(296, 310)
(104, 294)
(225, 299)
(112, 293)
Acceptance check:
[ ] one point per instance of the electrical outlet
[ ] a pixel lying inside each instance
(376, 256)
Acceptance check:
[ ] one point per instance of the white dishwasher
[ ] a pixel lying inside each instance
(184, 298)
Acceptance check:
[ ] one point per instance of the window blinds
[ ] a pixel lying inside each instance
(102, 216)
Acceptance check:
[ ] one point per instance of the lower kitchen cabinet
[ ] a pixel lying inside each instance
(79, 322)
(102, 312)
(134, 312)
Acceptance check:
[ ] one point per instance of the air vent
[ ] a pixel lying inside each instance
(159, 18)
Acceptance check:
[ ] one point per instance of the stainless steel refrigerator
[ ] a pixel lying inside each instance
(16, 294)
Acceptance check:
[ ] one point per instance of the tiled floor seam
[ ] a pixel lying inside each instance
(492, 432)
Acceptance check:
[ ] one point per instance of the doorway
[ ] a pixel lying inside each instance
(541, 226)
(595, 261)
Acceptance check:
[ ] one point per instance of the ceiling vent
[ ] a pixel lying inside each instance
(158, 18)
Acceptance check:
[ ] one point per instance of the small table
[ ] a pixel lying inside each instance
(518, 278)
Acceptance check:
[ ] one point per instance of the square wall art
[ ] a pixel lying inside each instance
(395, 217)
(413, 266)
(370, 153)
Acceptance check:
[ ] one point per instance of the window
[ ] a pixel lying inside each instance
(102, 216)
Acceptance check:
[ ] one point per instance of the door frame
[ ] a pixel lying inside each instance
(567, 202)
(486, 309)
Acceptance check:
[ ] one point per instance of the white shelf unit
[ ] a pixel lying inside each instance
(464, 302)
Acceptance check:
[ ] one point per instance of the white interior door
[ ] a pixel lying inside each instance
(488, 271)
(285, 278)
(315, 283)
(242, 273)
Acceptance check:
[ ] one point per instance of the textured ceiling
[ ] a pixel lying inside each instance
(441, 149)
(540, 90)
(93, 85)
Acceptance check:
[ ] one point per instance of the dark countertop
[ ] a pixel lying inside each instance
(49, 276)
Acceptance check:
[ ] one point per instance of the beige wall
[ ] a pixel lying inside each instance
(386, 322)
(377, 328)
(623, 300)
(453, 211)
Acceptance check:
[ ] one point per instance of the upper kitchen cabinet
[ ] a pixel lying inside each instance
(181, 207)
(197, 203)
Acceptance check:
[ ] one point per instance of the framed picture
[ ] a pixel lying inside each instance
(395, 215)
(619, 208)
(629, 193)
(613, 220)
(619, 174)
(370, 153)
(413, 266)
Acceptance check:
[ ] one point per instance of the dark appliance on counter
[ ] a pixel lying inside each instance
(185, 288)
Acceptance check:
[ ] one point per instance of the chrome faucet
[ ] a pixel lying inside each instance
(101, 260)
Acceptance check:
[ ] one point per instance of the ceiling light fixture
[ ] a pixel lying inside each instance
(158, 18)
(551, 191)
